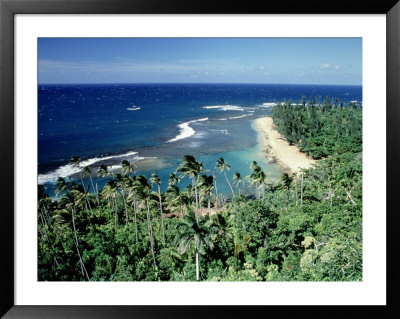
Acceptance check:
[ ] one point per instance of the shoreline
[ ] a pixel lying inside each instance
(278, 150)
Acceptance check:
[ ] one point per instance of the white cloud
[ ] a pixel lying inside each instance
(324, 66)
(205, 61)
(327, 66)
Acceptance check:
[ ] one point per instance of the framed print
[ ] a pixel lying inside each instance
(169, 159)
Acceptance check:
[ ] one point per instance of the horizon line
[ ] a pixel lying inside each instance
(194, 83)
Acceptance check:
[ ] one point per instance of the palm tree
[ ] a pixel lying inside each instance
(44, 235)
(127, 168)
(222, 166)
(109, 192)
(172, 180)
(133, 197)
(103, 171)
(253, 165)
(73, 200)
(75, 161)
(173, 197)
(154, 179)
(123, 184)
(286, 182)
(88, 200)
(61, 186)
(176, 197)
(190, 167)
(216, 189)
(194, 232)
(142, 188)
(257, 177)
(206, 186)
(87, 171)
(238, 180)
(45, 202)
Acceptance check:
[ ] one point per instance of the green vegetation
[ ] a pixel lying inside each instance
(303, 227)
(322, 129)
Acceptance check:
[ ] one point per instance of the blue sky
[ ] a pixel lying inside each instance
(200, 60)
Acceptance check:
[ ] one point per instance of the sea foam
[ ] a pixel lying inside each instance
(224, 107)
(68, 169)
(236, 117)
(239, 117)
(269, 104)
(185, 130)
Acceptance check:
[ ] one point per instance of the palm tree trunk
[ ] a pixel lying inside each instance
(135, 210)
(230, 186)
(43, 240)
(209, 205)
(90, 207)
(197, 264)
(47, 239)
(197, 201)
(80, 260)
(40, 232)
(84, 190)
(126, 209)
(150, 233)
(115, 213)
(44, 227)
(46, 217)
(257, 191)
(162, 217)
(83, 268)
(95, 190)
(83, 184)
(216, 193)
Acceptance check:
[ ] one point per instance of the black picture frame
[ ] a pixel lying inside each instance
(8, 8)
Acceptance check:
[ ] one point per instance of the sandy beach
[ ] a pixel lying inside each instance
(277, 149)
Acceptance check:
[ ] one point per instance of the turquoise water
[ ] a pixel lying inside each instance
(155, 125)
(239, 161)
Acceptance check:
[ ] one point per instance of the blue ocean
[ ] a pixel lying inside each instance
(155, 125)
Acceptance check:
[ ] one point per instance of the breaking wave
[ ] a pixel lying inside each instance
(225, 107)
(68, 169)
(185, 130)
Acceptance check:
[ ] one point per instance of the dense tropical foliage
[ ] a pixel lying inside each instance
(303, 227)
